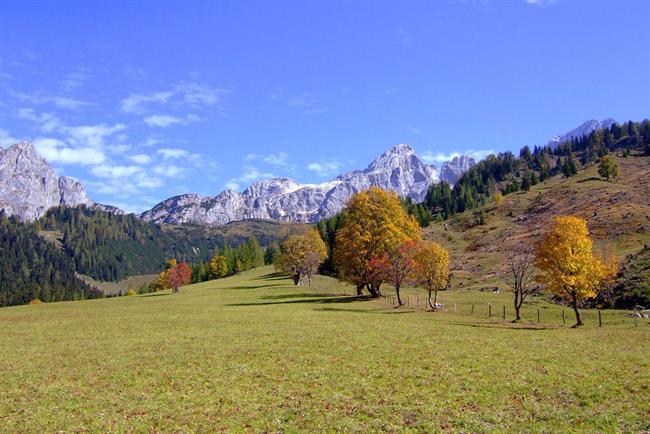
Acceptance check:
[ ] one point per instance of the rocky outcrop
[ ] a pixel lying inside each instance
(29, 186)
(451, 171)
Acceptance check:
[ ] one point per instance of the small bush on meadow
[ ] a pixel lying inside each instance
(36, 301)
(131, 291)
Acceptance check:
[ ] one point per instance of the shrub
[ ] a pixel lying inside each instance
(131, 291)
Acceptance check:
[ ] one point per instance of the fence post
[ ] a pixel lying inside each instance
(472, 309)
(489, 310)
(636, 318)
(504, 311)
(538, 320)
(600, 320)
(563, 318)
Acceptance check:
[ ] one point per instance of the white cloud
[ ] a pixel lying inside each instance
(414, 130)
(135, 103)
(169, 171)
(184, 93)
(540, 2)
(75, 79)
(325, 168)
(168, 153)
(280, 159)
(108, 171)
(57, 151)
(164, 121)
(92, 135)
(140, 158)
(249, 175)
(441, 157)
(6, 139)
(48, 122)
(58, 101)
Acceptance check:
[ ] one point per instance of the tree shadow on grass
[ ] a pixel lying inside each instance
(302, 295)
(508, 326)
(324, 300)
(272, 276)
(591, 178)
(269, 285)
(372, 311)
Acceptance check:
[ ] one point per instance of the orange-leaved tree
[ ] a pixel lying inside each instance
(398, 265)
(179, 275)
(569, 268)
(431, 269)
(374, 224)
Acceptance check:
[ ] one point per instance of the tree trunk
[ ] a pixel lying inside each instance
(517, 307)
(359, 289)
(296, 279)
(399, 298)
(374, 291)
(435, 296)
(574, 302)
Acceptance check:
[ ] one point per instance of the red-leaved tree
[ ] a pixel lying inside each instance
(178, 276)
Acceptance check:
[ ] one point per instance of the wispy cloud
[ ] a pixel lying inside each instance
(183, 94)
(6, 139)
(249, 175)
(173, 153)
(164, 121)
(76, 79)
(281, 159)
(325, 168)
(540, 2)
(61, 102)
(140, 158)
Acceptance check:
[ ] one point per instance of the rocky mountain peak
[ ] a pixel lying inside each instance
(451, 171)
(584, 129)
(29, 186)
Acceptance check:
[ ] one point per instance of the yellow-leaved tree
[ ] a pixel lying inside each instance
(374, 224)
(431, 269)
(300, 255)
(569, 268)
(218, 267)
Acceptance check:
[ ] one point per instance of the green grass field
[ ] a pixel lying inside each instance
(254, 353)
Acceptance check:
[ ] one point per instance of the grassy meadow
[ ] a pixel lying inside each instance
(253, 353)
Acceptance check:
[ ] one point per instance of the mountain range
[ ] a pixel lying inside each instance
(29, 187)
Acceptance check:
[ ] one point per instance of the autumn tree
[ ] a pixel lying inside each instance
(431, 269)
(608, 168)
(569, 268)
(520, 275)
(374, 223)
(218, 267)
(497, 199)
(179, 275)
(300, 255)
(399, 265)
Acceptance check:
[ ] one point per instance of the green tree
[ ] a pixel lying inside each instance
(608, 168)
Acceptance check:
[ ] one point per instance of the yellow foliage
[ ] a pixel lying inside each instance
(375, 223)
(218, 267)
(301, 254)
(565, 256)
(131, 291)
(36, 301)
(497, 198)
(432, 265)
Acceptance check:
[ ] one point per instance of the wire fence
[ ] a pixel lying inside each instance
(534, 312)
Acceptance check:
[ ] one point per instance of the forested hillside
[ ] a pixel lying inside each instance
(112, 247)
(32, 268)
(508, 174)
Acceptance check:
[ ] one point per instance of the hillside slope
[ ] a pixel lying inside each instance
(618, 214)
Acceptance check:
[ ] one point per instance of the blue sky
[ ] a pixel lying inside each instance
(144, 100)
